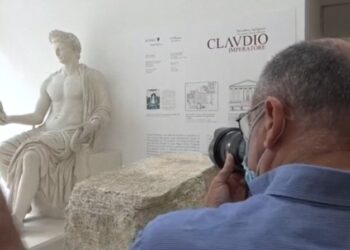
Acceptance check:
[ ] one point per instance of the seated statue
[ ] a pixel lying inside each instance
(40, 163)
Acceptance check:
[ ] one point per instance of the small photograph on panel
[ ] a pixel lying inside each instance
(201, 96)
(240, 95)
(153, 99)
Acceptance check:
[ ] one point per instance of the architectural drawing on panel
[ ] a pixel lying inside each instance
(201, 96)
(240, 95)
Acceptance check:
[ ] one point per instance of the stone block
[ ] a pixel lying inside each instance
(106, 211)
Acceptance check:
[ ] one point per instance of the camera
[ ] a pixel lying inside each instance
(227, 140)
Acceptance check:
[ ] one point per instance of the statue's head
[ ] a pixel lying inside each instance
(67, 45)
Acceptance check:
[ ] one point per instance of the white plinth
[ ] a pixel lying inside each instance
(43, 233)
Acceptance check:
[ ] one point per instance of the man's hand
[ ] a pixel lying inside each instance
(82, 135)
(227, 186)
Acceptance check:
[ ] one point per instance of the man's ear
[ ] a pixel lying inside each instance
(274, 121)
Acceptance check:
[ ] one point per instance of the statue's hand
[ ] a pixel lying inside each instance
(3, 117)
(86, 133)
(74, 142)
(81, 135)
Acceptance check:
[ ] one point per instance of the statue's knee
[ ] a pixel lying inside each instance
(31, 159)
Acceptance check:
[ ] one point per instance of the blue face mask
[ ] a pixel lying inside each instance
(249, 175)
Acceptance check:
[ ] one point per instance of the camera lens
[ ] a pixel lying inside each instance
(227, 140)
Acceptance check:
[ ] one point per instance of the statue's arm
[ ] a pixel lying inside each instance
(100, 116)
(41, 108)
(103, 108)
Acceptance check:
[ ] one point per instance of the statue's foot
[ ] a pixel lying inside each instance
(18, 223)
(29, 209)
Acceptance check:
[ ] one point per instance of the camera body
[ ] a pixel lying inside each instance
(227, 140)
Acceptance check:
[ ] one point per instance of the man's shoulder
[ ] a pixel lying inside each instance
(180, 229)
(163, 227)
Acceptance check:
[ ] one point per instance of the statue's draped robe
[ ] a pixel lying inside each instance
(57, 159)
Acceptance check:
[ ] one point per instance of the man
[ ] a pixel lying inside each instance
(9, 237)
(40, 163)
(299, 154)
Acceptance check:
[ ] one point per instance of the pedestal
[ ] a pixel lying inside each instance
(43, 233)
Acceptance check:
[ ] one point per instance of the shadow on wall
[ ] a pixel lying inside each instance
(17, 96)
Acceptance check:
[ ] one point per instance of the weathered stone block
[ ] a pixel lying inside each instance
(106, 211)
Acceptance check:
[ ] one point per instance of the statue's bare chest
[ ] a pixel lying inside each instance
(65, 88)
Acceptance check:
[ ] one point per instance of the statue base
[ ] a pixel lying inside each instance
(39, 233)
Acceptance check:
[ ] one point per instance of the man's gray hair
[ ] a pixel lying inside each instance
(66, 37)
(312, 78)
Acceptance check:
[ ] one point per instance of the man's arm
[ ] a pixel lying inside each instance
(180, 230)
(37, 117)
(9, 237)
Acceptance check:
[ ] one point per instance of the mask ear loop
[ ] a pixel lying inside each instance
(258, 117)
(282, 131)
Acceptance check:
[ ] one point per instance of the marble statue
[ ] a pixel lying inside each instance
(71, 110)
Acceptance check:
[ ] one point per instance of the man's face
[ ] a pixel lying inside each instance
(64, 52)
(267, 137)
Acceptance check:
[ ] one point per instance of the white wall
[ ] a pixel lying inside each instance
(102, 26)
